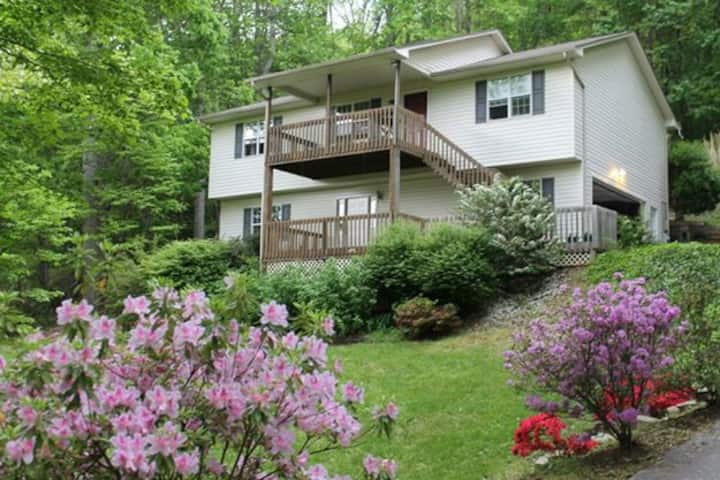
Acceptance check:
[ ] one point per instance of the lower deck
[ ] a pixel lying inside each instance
(579, 230)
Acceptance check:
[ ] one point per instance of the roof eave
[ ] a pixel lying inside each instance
(281, 104)
(263, 81)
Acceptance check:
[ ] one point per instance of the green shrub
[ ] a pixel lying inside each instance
(700, 359)
(453, 265)
(694, 183)
(518, 219)
(391, 262)
(309, 320)
(200, 264)
(421, 317)
(632, 232)
(13, 322)
(346, 293)
(690, 274)
(449, 263)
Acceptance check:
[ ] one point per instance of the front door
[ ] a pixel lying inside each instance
(417, 102)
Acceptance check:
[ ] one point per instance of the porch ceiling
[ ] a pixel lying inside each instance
(353, 73)
(357, 164)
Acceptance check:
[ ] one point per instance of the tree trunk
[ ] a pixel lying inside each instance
(199, 224)
(90, 166)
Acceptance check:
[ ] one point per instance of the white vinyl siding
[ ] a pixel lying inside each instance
(567, 179)
(624, 127)
(421, 193)
(454, 54)
(520, 140)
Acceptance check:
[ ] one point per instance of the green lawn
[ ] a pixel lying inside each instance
(457, 413)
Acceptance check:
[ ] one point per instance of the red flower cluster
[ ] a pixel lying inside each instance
(658, 400)
(544, 432)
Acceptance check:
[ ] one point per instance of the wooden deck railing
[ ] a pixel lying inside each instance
(578, 229)
(319, 238)
(586, 228)
(341, 134)
(372, 130)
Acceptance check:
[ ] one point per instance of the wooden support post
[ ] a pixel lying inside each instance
(329, 126)
(267, 201)
(394, 160)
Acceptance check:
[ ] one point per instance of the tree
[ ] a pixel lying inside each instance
(694, 183)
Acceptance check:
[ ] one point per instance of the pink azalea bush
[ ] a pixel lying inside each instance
(600, 354)
(178, 393)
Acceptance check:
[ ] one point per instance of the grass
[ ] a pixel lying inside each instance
(457, 413)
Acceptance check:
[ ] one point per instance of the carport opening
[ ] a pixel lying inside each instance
(608, 197)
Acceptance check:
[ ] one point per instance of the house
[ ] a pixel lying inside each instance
(356, 143)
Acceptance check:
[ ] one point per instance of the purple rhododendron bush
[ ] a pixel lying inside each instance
(167, 391)
(600, 355)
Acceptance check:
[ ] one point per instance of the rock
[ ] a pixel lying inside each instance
(603, 437)
(542, 460)
(688, 403)
(673, 411)
(648, 419)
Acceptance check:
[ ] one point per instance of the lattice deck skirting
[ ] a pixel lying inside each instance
(575, 259)
(307, 266)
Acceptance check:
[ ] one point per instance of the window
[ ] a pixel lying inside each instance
(544, 186)
(250, 137)
(253, 217)
(361, 205)
(509, 96)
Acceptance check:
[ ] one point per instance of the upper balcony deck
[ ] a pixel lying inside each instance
(359, 142)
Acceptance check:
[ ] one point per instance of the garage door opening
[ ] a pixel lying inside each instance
(611, 198)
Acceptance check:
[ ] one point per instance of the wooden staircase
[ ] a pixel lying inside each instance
(452, 163)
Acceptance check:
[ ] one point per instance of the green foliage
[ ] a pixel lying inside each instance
(694, 183)
(700, 359)
(453, 264)
(518, 218)
(346, 293)
(200, 264)
(688, 272)
(449, 263)
(632, 232)
(309, 320)
(12, 321)
(421, 317)
(392, 260)
(240, 299)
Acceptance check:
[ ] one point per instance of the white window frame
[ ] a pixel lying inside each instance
(256, 223)
(509, 97)
(257, 138)
(343, 201)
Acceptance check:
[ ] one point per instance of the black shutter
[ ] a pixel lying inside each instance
(538, 91)
(277, 120)
(548, 189)
(481, 101)
(285, 212)
(376, 102)
(238, 140)
(247, 222)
